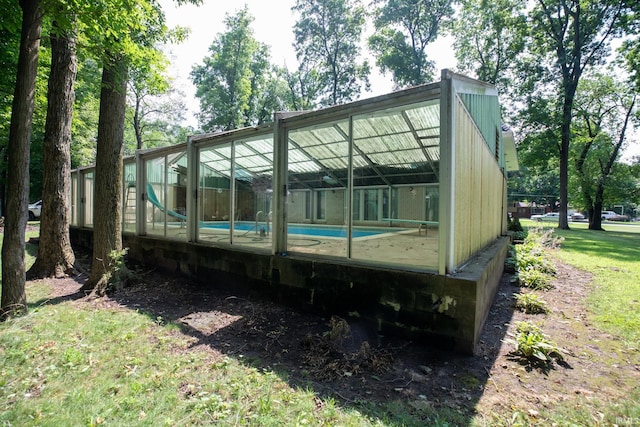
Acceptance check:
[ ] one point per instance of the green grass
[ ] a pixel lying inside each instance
(84, 365)
(70, 364)
(613, 257)
(78, 365)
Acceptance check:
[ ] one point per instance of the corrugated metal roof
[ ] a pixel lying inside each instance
(252, 158)
(399, 139)
(388, 144)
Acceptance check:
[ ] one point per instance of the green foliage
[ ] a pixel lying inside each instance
(99, 27)
(403, 30)
(534, 279)
(513, 224)
(531, 262)
(630, 51)
(117, 270)
(304, 86)
(233, 78)
(9, 48)
(533, 346)
(84, 128)
(531, 303)
(489, 37)
(327, 35)
(520, 235)
(564, 40)
(603, 110)
(533, 259)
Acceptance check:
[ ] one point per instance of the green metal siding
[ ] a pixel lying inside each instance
(485, 112)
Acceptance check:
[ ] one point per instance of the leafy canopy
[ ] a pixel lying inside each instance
(404, 29)
(232, 76)
(327, 36)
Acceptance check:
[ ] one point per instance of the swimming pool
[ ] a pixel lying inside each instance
(303, 229)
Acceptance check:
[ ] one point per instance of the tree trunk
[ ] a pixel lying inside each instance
(136, 122)
(107, 229)
(595, 220)
(596, 224)
(565, 139)
(14, 300)
(55, 255)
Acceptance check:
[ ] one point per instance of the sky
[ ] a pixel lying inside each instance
(273, 25)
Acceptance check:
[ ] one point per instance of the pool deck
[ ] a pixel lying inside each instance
(393, 245)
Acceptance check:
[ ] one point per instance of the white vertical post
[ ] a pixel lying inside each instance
(446, 260)
(232, 192)
(349, 190)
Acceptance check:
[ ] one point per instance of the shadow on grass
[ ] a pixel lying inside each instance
(616, 245)
(31, 249)
(607, 243)
(397, 381)
(55, 300)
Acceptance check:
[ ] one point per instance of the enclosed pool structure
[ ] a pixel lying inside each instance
(390, 209)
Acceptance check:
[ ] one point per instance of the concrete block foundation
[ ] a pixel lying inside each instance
(449, 310)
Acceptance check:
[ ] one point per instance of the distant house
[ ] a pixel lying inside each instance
(525, 209)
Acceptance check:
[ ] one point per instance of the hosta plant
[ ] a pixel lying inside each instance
(532, 345)
(534, 279)
(531, 303)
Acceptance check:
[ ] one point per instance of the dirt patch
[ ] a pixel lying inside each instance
(349, 362)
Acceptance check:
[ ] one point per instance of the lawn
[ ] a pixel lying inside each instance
(150, 358)
(613, 256)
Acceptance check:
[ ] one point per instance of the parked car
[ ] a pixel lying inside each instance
(577, 216)
(551, 216)
(34, 210)
(613, 216)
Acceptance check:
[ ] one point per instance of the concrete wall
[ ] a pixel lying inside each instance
(448, 310)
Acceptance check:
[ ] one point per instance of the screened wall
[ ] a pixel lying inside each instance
(413, 180)
(235, 188)
(366, 187)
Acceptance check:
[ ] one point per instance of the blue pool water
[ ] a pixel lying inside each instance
(307, 230)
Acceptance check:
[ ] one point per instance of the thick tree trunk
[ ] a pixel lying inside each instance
(595, 223)
(14, 300)
(595, 220)
(55, 255)
(565, 139)
(107, 228)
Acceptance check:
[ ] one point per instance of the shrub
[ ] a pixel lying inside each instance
(534, 260)
(520, 235)
(513, 224)
(535, 279)
(533, 252)
(532, 345)
(531, 303)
